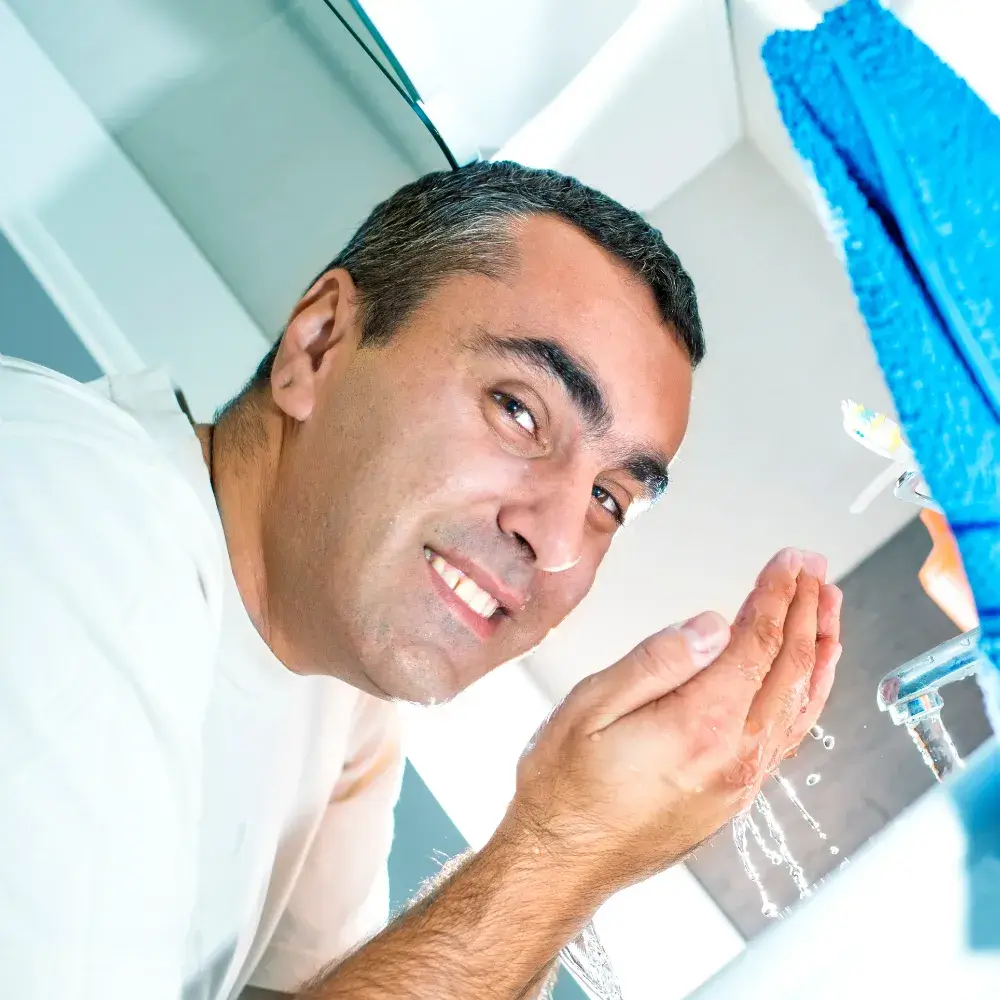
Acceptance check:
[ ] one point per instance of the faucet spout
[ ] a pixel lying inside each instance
(911, 691)
(911, 695)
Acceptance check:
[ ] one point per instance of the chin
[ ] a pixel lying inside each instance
(418, 677)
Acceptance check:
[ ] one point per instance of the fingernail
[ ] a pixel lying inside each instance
(707, 635)
(789, 559)
(835, 658)
(815, 565)
(837, 601)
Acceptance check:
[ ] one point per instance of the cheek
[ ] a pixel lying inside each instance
(563, 592)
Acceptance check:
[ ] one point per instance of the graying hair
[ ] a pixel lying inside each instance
(459, 221)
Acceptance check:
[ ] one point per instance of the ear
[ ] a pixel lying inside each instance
(320, 339)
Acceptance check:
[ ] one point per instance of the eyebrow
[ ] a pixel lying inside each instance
(650, 471)
(556, 362)
(648, 468)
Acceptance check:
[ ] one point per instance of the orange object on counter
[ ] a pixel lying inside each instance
(942, 575)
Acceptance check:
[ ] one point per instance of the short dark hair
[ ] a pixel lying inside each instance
(457, 221)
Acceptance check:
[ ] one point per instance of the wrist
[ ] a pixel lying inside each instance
(555, 859)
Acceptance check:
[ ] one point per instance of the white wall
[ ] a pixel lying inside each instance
(263, 128)
(125, 275)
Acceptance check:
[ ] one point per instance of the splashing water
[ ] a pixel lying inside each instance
(778, 836)
(774, 845)
(786, 787)
(586, 958)
(772, 855)
(740, 826)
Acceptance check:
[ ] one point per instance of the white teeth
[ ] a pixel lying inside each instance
(476, 597)
(447, 572)
(468, 590)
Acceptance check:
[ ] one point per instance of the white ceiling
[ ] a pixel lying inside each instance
(482, 70)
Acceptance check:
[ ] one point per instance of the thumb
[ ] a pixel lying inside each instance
(658, 665)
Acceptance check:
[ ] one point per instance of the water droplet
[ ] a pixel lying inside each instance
(835, 850)
(812, 779)
(829, 742)
(786, 786)
(816, 732)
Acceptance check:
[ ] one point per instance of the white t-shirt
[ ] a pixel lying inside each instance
(179, 813)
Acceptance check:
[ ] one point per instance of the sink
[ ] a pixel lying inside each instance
(916, 910)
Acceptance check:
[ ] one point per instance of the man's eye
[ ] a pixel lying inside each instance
(609, 503)
(517, 411)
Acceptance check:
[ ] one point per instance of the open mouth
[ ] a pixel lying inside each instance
(477, 600)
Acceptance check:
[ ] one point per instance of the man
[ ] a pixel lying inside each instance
(204, 627)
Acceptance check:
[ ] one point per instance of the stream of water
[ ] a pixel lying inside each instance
(774, 844)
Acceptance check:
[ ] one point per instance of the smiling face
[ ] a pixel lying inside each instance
(444, 500)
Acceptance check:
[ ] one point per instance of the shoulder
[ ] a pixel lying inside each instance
(71, 455)
(96, 521)
(110, 569)
(35, 397)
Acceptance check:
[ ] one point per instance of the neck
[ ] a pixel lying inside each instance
(241, 469)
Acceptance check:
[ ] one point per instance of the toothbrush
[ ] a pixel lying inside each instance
(877, 432)
(881, 435)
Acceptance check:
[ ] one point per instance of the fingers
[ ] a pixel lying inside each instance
(828, 651)
(785, 690)
(736, 676)
(657, 666)
(831, 600)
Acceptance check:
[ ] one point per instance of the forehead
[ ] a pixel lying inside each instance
(564, 288)
(568, 289)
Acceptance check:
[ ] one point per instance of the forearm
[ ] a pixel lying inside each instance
(492, 931)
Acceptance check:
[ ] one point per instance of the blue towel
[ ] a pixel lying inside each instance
(909, 160)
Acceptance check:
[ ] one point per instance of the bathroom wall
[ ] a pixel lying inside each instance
(31, 327)
(263, 127)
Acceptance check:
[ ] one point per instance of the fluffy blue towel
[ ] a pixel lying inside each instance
(909, 160)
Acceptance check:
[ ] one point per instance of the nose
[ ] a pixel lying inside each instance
(549, 525)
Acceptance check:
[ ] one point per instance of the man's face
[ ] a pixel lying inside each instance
(449, 498)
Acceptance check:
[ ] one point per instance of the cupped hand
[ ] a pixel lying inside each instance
(648, 758)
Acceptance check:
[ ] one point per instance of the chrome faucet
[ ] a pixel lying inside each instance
(911, 694)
